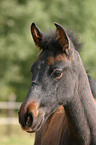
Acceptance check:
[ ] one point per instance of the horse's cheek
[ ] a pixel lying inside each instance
(66, 91)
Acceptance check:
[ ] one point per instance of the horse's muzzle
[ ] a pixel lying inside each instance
(29, 116)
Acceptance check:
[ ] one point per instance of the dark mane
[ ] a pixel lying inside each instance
(75, 39)
(50, 41)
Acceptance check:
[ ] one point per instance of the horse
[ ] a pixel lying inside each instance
(60, 93)
(51, 132)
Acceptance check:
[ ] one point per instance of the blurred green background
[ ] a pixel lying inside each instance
(17, 50)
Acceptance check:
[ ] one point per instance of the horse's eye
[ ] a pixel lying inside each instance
(57, 73)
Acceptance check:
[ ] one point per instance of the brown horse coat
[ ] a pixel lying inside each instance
(53, 130)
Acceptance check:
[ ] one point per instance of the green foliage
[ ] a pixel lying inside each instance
(17, 50)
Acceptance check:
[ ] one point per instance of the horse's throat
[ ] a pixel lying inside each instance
(55, 126)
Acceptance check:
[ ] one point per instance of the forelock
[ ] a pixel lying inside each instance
(51, 43)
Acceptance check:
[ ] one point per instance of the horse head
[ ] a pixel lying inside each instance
(54, 77)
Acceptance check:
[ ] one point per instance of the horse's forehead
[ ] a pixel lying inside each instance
(57, 58)
(51, 57)
(43, 57)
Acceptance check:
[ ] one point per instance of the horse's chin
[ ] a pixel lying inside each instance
(33, 128)
(30, 131)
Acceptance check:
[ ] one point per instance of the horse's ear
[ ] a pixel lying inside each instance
(36, 34)
(62, 37)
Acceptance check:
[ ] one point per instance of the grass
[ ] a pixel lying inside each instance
(14, 135)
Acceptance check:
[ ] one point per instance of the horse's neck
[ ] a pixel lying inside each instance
(51, 132)
(81, 113)
(88, 104)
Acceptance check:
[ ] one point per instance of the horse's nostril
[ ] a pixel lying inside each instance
(29, 119)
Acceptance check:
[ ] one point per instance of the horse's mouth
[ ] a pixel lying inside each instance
(34, 126)
(39, 121)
